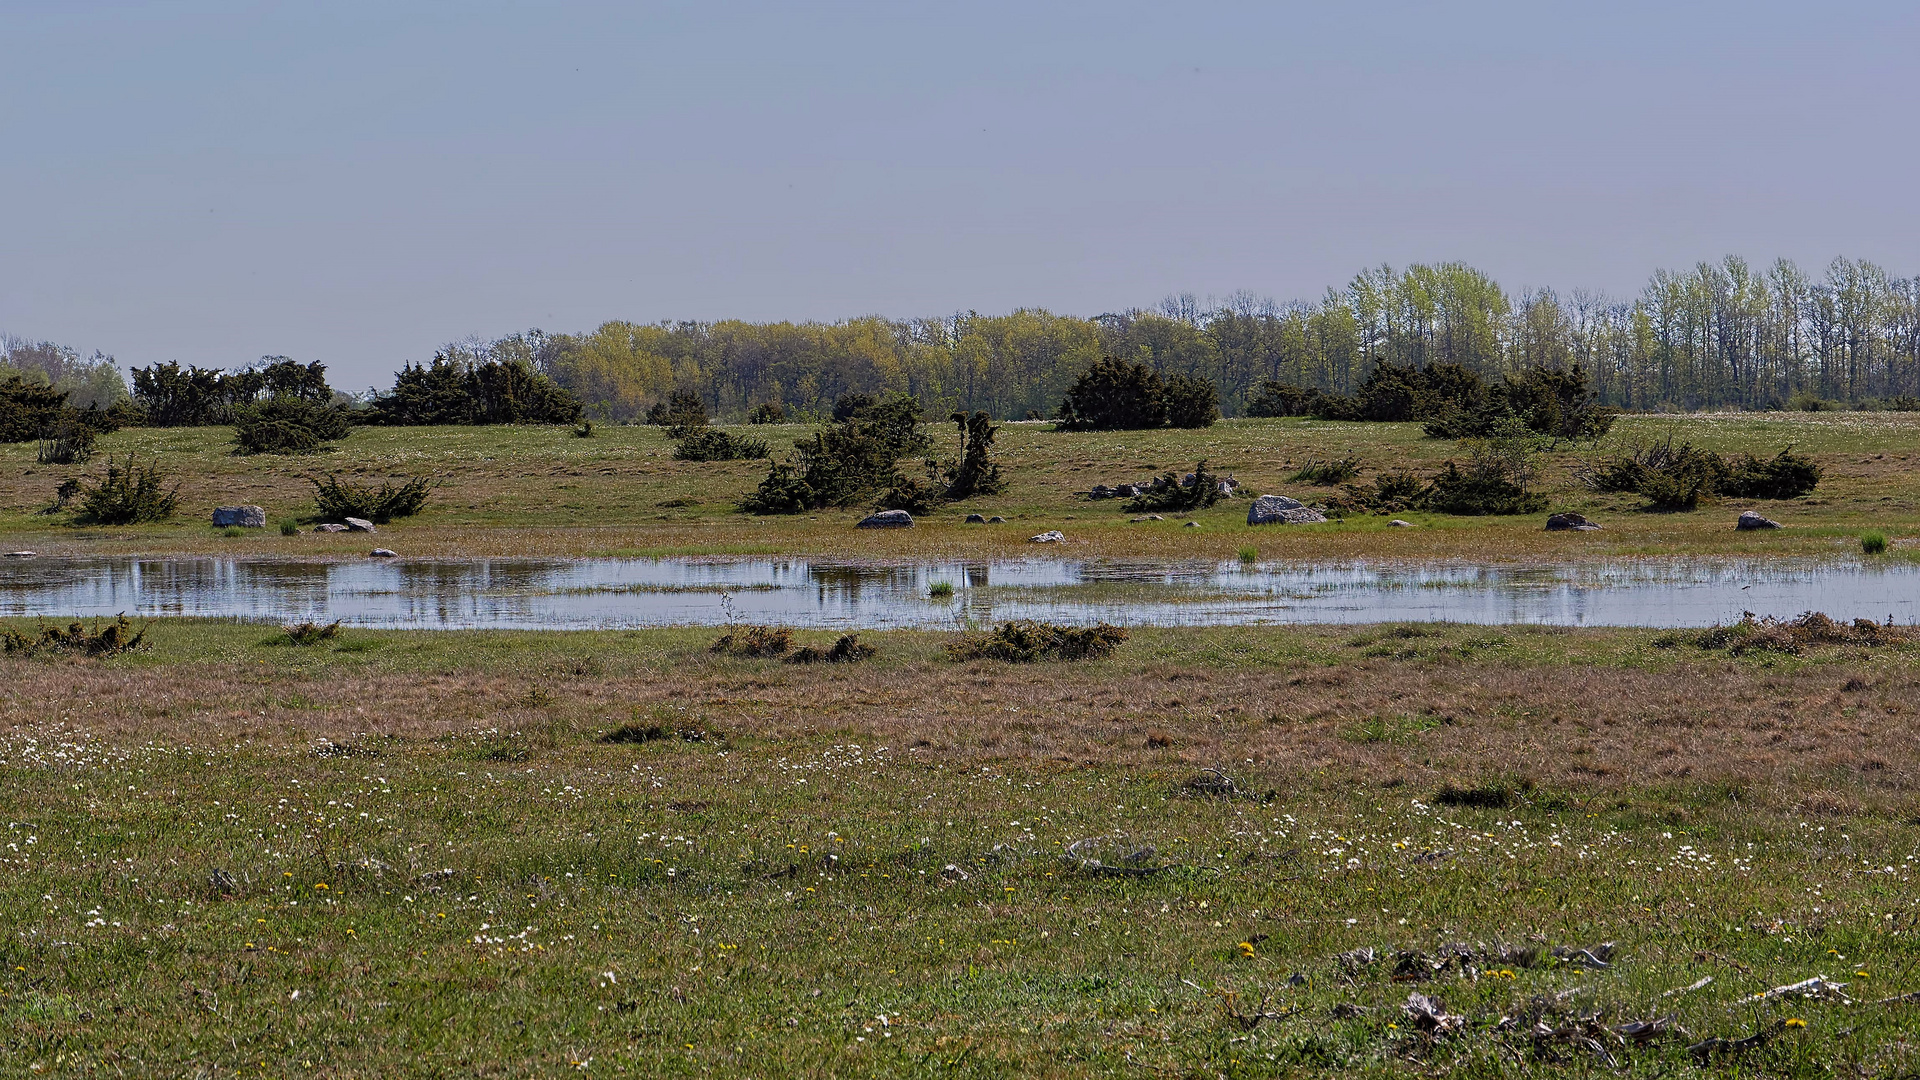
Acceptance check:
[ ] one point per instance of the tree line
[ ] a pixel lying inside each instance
(1723, 334)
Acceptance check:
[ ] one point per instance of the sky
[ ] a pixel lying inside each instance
(359, 182)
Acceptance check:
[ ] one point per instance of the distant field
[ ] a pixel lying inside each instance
(412, 854)
(544, 491)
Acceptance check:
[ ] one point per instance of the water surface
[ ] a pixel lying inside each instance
(522, 593)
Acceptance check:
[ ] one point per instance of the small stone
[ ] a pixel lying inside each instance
(246, 517)
(330, 527)
(1749, 521)
(359, 525)
(976, 519)
(996, 521)
(1051, 536)
(1570, 522)
(887, 519)
(1280, 510)
(22, 554)
(1398, 524)
(1192, 525)
(383, 553)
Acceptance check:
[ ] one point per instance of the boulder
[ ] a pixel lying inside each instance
(1192, 525)
(1280, 510)
(996, 521)
(1750, 521)
(383, 553)
(976, 519)
(1128, 491)
(330, 527)
(1051, 536)
(359, 525)
(1100, 491)
(887, 519)
(1570, 523)
(247, 517)
(1398, 524)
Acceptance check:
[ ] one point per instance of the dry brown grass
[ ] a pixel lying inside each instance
(1597, 714)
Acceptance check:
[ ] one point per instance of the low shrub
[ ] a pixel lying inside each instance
(1169, 493)
(1192, 401)
(1283, 399)
(712, 444)
(128, 494)
(584, 431)
(1785, 476)
(117, 636)
(1327, 473)
(1477, 490)
(1873, 543)
(849, 649)
(847, 462)
(916, 497)
(754, 641)
(338, 498)
(767, 412)
(1027, 641)
(289, 527)
(309, 633)
(68, 442)
(1770, 635)
(288, 425)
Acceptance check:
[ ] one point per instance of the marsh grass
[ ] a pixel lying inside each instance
(1873, 543)
(190, 878)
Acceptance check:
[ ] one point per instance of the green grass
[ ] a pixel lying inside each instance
(196, 881)
(1873, 543)
(543, 491)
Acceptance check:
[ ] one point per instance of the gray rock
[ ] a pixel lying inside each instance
(383, 553)
(1051, 536)
(1100, 491)
(1280, 510)
(359, 525)
(247, 517)
(1127, 491)
(996, 521)
(1398, 524)
(1750, 521)
(976, 519)
(1192, 525)
(22, 554)
(329, 527)
(887, 519)
(1570, 522)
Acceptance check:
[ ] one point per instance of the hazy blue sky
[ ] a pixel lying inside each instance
(356, 182)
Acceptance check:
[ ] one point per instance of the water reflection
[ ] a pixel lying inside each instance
(579, 593)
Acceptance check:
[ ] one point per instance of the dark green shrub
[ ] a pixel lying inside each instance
(1114, 395)
(309, 633)
(976, 473)
(1390, 493)
(1327, 473)
(1283, 399)
(457, 391)
(128, 494)
(1026, 641)
(853, 405)
(1669, 477)
(754, 641)
(849, 649)
(767, 412)
(337, 499)
(1873, 543)
(67, 441)
(712, 444)
(916, 497)
(679, 412)
(117, 636)
(1902, 403)
(1170, 494)
(1475, 492)
(28, 410)
(845, 463)
(1784, 476)
(288, 425)
(584, 431)
(289, 528)
(1192, 401)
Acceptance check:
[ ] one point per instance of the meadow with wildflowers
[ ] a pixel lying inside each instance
(1239, 852)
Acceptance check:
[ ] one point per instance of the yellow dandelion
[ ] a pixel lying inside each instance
(1796, 1022)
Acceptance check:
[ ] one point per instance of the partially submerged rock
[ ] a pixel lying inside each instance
(246, 517)
(1051, 536)
(1749, 521)
(1281, 510)
(887, 519)
(1570, 522)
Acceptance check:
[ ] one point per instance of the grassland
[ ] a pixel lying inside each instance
(543, 491)
(415, 854)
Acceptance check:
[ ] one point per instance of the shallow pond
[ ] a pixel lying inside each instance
(590, 593)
